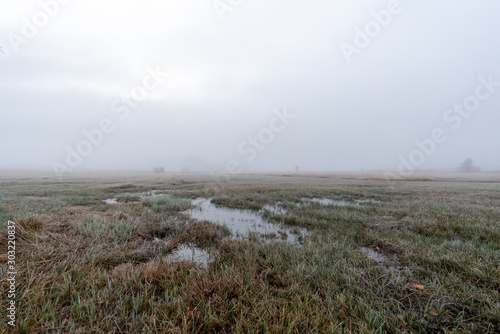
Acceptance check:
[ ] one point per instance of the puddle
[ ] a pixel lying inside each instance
(133, 198)
(111, 201)
(328, 201)
(385, 263)
(146, 194)
(190, 253)
(243, 223)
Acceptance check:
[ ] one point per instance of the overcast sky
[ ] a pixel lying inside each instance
(355, 84)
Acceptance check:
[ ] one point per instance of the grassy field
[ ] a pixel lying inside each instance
(85, 266)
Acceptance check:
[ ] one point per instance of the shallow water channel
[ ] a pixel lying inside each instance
(242, 223)
(328, 201)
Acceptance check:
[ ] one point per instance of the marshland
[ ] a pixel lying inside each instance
(256, 253)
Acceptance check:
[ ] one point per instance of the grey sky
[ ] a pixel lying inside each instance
(226, 78)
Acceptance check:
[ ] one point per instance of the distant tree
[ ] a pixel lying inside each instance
(158, 170)
(468, 166)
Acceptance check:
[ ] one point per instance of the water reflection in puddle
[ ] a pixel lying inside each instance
(133, 198)
(190, 253)
(243, 223)
(385, 263)
(146, 194)
(111, 201)
(328, 201)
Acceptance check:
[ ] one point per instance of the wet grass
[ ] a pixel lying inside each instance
(85, 266)
(166, 203)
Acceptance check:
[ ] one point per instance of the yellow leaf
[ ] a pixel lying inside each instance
(418, 286)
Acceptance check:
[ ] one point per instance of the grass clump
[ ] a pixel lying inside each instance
(166, 203)
(100, 229)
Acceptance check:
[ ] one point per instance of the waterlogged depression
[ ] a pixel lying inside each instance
(190, 253)
(248, 223)
(328, 201)
(385, 263)
(244, 222)
(111, 201)
(133, 198)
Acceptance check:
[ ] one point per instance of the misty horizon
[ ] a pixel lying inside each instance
(254, 87)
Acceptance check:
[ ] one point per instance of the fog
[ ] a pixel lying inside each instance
(249, 86)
